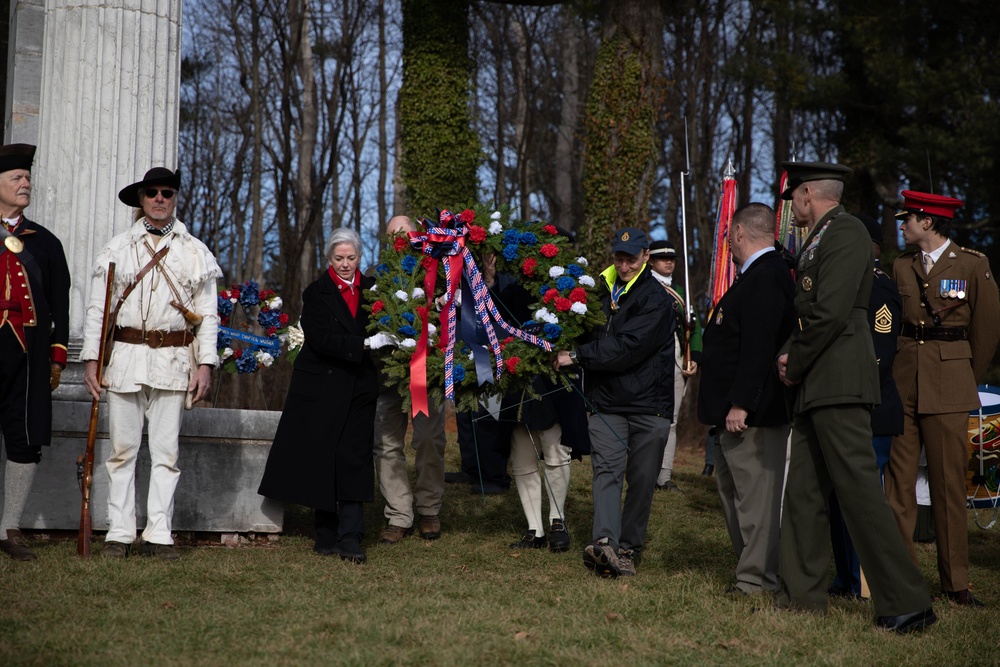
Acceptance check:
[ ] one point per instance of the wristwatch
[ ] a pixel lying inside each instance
(572, 355)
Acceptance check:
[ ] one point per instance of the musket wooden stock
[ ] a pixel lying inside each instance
(87, 478)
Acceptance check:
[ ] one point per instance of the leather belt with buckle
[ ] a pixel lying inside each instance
(920, 332)
(154, 338)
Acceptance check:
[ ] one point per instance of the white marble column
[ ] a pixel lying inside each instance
(109, 111)
(24, 65)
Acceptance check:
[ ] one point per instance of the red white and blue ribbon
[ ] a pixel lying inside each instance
(447, 245)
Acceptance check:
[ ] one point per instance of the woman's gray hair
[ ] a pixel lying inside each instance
(343, 235)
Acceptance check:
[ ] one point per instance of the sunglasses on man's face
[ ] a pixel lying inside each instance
(166, 192)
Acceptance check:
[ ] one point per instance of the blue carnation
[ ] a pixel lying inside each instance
(458, 373)
(250, 294)
(222, 340)
(544, 289)
(382, 269)
(564, 283)
(528, 238)
(552, 331)
(574, 270)
(384, 320)
(409, 317)
(225, 307)
(511, 236)
(409, 263)
(407, 330)
(247, 363)
(510, 252)
(268, 319)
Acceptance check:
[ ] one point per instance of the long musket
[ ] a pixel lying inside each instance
(85, 461)
(688, 310)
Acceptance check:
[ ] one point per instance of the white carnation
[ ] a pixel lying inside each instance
(226, 353)
(296, 337)
(418, 293)
(431, 329)
(495, 227)
(408, 342)
(543, 315)
(275, 302)
(233, 299)
(582, 261)
(402, 295)
(264, 358)
(556, 271)
(578, 308)
(586, 280)
(495, 215)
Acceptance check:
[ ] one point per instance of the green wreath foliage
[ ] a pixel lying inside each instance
(565, 304)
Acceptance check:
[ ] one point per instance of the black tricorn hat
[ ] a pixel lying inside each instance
(16, 156)
(156, 176)
(801, 172)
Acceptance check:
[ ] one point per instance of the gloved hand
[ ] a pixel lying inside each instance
(55, 374)
(380, 339)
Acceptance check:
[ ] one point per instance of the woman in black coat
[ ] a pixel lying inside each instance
(321, 456)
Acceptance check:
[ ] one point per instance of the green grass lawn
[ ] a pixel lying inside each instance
(465, 599)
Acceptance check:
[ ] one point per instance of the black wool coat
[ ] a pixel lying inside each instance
(885, 316)
(322, 450)
(741, 341)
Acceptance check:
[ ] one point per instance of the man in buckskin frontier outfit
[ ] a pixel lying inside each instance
(172, 302)
(951, 326)
(34, 330)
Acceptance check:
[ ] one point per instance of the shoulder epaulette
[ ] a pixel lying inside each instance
(880, 272)
(971, 251)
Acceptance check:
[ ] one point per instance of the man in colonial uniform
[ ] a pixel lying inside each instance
(951, 326)
(165, 298)
(34, 330)
(830, 360)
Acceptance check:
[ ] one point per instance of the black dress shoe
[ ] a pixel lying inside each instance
(529, 541)
(457, 478)
(558, 537)
(708, 470)
(326, 538)
(349, 549)
(905, 623)
(963, 598)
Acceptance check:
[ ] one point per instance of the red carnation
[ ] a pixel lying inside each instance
(528, 268)
(237, 353)
(563, 304)
(283, 318)
(578, 295)
(399, 243)
(551, 229)
(271, 330)
(377, 307)
(505, 342)
(549, 250)
(428, 262)
(550, 294)
(512, 364)
(476, 234)
(467, 216)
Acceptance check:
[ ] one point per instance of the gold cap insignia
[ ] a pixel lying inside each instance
(625, 236)
(807, 283)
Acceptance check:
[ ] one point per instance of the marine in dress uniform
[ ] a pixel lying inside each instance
(951, 326)
(830, 359)
(34, 330)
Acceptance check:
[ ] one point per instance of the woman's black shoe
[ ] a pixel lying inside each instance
(529, 541)
(349, 548)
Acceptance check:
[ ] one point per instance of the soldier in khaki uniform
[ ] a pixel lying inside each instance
(951, 326)
(830, 359)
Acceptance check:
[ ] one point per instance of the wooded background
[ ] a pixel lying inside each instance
(299, 117)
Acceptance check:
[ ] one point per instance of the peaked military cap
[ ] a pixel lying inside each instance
(662, 249)
(802, 172)
(925, 202)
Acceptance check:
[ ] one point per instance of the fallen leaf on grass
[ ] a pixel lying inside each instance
(168, 605)
(727, 644)
(614, 616)
(521, 634)
(515, 554)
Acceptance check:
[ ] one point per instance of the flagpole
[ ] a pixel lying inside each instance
(688, 310)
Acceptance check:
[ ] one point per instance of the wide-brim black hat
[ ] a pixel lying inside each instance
(16, 156)
(129, 195)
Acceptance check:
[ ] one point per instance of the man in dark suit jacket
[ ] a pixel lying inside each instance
(831, 361)
(742, 397)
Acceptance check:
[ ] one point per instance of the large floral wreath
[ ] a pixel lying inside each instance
(417, 272)
(260, 351)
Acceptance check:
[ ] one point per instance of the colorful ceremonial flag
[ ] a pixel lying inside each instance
(785, 232)
(723, 269)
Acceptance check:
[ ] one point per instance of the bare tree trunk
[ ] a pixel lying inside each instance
(301, 41)
(564, 158)
(383, 146)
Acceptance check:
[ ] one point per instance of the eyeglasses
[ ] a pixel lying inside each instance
(166, 192)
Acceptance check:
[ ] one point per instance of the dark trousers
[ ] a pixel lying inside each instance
(348, 521)
(14, 399)
(483, 455)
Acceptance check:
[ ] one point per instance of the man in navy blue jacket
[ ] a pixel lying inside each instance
(742, 397)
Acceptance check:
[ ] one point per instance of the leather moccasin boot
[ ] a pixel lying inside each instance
(115, 550)
(430, 526)
(161, 551)
(394, 534)
(16, 546)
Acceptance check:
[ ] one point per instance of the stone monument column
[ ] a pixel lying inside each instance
(109, 110)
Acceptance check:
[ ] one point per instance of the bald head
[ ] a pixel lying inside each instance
(752, 230)
(399, 224)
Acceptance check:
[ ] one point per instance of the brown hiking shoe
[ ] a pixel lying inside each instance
(161, 551)
(430, 527)
(394, 534)
(16, 546)
(115, 550)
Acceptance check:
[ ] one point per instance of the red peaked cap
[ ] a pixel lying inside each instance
(925, 202)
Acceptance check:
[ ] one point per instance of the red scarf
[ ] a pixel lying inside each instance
(350, 292)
